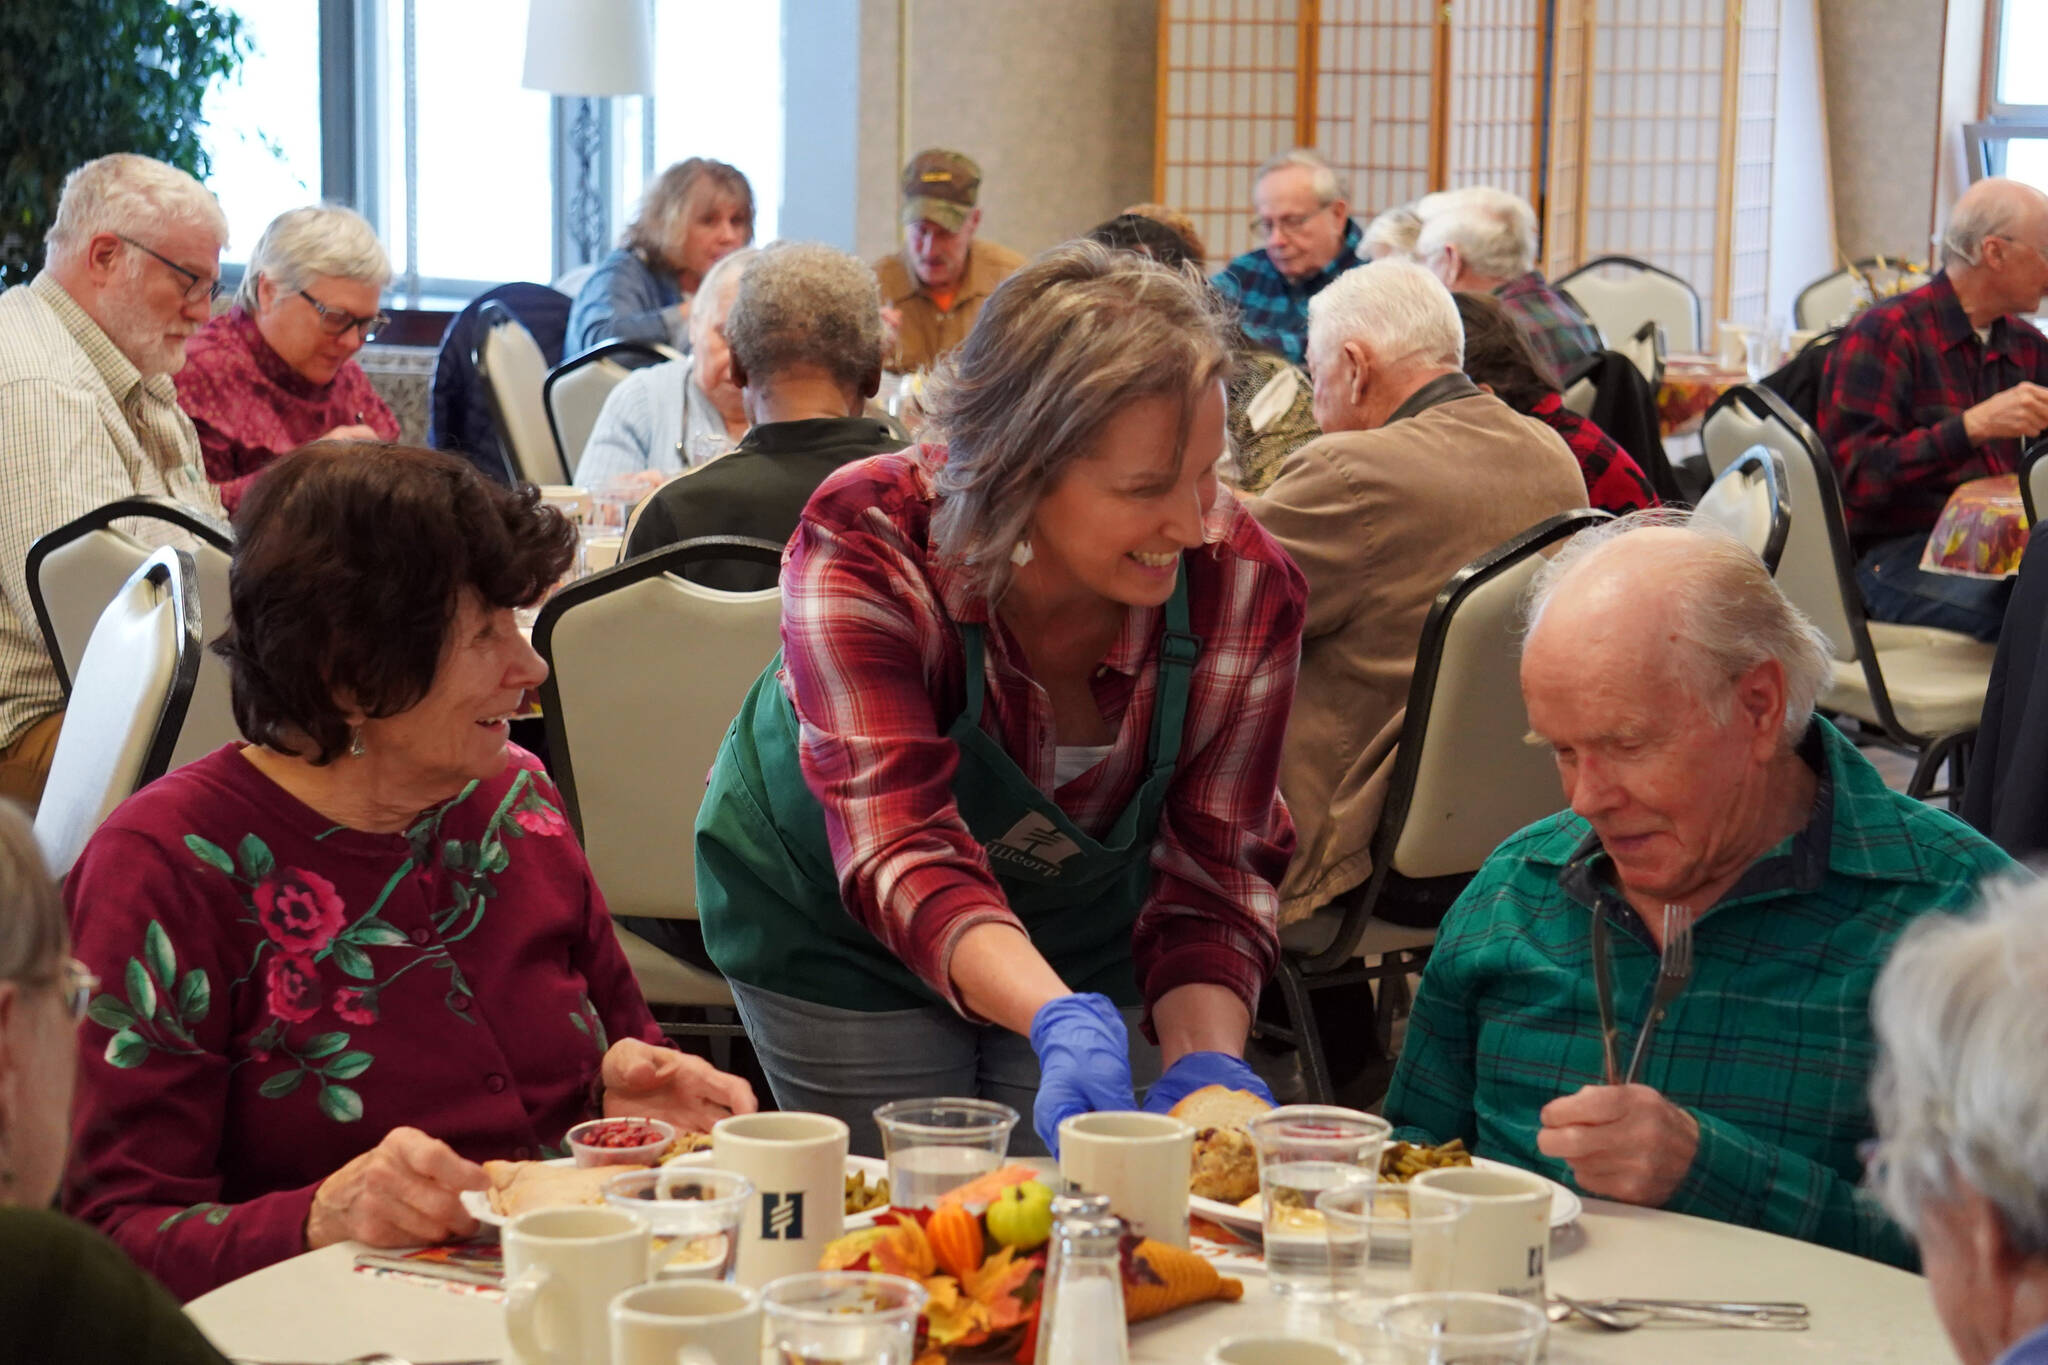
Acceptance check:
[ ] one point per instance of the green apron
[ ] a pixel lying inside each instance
(768, 897)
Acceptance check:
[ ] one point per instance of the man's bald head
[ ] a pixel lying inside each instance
(1994, 207)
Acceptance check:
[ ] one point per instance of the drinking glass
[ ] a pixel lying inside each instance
(1405, 1235)
(1463, 1329)
(1305, 1149)
(840, 1317)
(933, 1146)
(695, 1213)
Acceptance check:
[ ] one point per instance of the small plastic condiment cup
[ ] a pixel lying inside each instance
(695, 1212)
(643, 1154)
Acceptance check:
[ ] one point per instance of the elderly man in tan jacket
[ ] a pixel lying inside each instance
(1420, 472)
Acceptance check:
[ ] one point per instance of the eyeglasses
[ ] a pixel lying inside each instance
(75, 985)
(197, 286)
(1287, 224)
(335, 321)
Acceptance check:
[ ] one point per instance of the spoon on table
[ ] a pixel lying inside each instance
(1620, 1318)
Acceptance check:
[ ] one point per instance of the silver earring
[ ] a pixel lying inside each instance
(355, 742)
(1020, 553)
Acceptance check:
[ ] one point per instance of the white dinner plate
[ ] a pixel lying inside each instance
(478, 1202)
(1565, 1206)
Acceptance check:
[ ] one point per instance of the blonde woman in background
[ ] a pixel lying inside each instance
(694, 213)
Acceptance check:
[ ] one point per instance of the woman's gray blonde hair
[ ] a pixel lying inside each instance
(301, 245)
(1060, 348)
(674, 192)
(32, 934)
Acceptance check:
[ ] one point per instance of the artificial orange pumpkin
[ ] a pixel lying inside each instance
(955, 1235)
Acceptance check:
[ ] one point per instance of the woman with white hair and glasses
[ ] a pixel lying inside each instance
(68, 1293)
(1012, 787)
(278, 369)
(1961, 1094)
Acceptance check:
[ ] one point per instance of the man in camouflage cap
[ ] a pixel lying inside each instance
(936, 284)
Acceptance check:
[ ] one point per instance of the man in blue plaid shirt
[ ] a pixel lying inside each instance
(1301, 213)
(1675, 684)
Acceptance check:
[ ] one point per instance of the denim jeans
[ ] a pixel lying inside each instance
(824, 1060)
(1896, 589)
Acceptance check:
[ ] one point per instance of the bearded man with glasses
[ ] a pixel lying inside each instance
(1300, 214)
(278, 369)
(88, 411)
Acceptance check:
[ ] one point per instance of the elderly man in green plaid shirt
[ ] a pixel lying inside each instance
(1676, 685)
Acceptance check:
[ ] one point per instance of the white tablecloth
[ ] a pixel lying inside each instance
(315, 1307)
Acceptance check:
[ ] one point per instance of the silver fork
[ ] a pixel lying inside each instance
(1674, 969)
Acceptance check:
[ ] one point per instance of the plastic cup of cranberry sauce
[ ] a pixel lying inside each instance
(620, 1141)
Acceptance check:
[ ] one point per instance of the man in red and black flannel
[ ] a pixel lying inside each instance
(1936, 387)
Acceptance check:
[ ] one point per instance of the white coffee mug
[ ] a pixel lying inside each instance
(571, 501)
(798, 1165)
(1500, 1245)
(686, 1324)
(601, 552)
(563, 1267)
(1140, 1161)
(1280, 1351)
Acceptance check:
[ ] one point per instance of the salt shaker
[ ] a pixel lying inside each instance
(1081, 1320)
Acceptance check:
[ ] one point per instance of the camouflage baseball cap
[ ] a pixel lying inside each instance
(940, 186)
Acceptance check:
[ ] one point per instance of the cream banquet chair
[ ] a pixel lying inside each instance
(646, 671)
(1748, 500)
(1923, 687)
(514, 370)
(128, 699)
(1829, 300)
(1645, 350)
(1620, 293)
(2034, 480)
(575, 390)
(75, 570)
(1464, 779)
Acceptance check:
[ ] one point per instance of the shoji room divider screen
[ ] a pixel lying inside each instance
(1637, 127)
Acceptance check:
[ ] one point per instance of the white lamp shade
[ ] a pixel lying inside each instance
(589, 47)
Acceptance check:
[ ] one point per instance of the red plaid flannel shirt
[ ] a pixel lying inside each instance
(1892, 404)
(874, 667)
(1614, 481)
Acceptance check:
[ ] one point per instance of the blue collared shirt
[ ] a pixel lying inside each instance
(1274, 308)
(2031, 1349)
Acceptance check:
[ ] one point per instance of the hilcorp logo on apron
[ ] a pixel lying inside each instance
(1034, 846)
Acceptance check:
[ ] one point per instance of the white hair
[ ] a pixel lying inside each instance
(1322, 176)
(1734, 615)
(131, 195)
(1990, 208)
(722, 278)
(1395, 229)
(1395, 308)
(1961, 1085)
(1494, 231)
(301, 245)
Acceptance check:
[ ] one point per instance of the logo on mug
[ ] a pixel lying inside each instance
(782, 1217)
(1535, 1271)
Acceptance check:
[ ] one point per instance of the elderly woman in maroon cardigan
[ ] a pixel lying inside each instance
(351, 959)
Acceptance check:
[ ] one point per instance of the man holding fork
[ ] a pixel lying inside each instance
(1661, 995)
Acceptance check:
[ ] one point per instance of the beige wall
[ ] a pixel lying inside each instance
(1052, 97)
(1882, 64)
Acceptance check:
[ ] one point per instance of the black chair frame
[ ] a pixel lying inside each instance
(1771, 469)
(1298, 976)
(2028, 459)
(203, 528)
(490, 318)
(632, 354)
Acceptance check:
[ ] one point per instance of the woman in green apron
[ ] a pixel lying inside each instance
(1011, 787)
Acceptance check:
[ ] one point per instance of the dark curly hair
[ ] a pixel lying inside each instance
(349, 562)
(1498, 355)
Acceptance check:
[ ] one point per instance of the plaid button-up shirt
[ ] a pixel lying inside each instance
(1558, 332)
(1892, 402)
(874, 668)
(1273, 309)
(1614, 481)
(1769, 1046)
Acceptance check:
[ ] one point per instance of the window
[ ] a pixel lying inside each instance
(2014, 141)
(263, 126)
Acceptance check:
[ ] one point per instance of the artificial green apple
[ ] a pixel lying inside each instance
(1021, 1216)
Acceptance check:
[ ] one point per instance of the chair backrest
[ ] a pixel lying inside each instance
(1579, 395)
(1620, 293)
(1748, 500)
(2034, 480)
(1645, 350)
(1464, 778)
(646, 672)
(575, 390)
(514, 370)
(75, 570)
(128, 699)
(1826, 301)
(1816, 570)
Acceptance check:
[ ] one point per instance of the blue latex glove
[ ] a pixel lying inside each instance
(1198, 1069)
(1084, 1062)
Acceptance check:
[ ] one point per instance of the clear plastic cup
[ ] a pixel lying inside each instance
(933, 1146)
(1400, 1236)
(695, 1213)
(1305, 1149)
(1463, 1329)
(844, 1317)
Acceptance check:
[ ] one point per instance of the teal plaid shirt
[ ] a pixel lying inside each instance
(1769, 1047)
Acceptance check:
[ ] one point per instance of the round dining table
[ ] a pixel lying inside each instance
(316, 1307)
